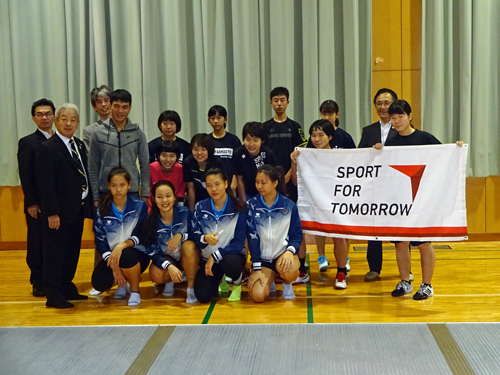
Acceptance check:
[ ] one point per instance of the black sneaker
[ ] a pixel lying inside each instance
(403, 287)
(424, 292)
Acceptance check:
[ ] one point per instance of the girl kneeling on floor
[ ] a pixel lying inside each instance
(166, 238)
(219, 229)
(116, 227)
(274, 235)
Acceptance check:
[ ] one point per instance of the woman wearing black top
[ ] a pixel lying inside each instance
(400, 112)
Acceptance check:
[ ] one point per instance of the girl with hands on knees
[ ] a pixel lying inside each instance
(322, 132)
(117, 225)
(219, 229)
(166, 240)
(274, 235)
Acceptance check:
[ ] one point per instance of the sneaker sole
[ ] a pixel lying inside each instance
(340, 286)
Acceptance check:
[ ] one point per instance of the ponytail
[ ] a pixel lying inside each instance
(275, 173)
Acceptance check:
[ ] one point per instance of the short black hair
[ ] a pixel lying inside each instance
(278, 91)
(168, 146)
(383, 91)
(204, 140)
(217, 109)
(121, 95)
(324, 125)
(400, 107)
(255, 129)
(40, 103)
(170, 116)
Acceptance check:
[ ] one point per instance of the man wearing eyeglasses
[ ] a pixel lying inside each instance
(42, 113)
(378, 132)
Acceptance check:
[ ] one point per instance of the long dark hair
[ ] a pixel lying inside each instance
(219, 172)
(275, 173)
(105, 205)
(150, 226)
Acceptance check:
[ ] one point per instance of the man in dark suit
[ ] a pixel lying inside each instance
(378, 132)
(66, 200)
(42, 113)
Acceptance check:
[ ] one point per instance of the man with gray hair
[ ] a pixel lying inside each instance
(99, 97)
(65, 197)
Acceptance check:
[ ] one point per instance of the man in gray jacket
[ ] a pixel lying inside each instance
(118, 143)
(99, 97)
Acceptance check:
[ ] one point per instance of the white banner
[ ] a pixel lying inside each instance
(406, 193)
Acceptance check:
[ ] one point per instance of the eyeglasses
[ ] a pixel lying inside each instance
(382, 104)
(41, 115)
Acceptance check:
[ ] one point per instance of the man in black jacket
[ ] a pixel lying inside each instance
(42, 113)
(61, 168)
(378, 132)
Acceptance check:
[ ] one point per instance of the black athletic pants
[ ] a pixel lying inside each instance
(103, 278)
(206, 287)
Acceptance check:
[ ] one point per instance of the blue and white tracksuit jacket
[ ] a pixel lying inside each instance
(110, 230)
(231, 226)
(272, 230)
(181, 223)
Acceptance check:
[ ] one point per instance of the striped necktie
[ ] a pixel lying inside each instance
(74, 153)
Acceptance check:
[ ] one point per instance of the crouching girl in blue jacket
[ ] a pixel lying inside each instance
(166, 238)
(274, 235)
(116, 226)
(219, 229)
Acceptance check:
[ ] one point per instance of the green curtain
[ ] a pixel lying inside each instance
(186, 56)
(461, 77)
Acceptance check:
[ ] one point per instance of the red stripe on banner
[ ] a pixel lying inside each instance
(385, 231)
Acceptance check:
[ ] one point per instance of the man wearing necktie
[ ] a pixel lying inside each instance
(61, 164)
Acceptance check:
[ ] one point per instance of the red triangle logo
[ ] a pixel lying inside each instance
(415, 172)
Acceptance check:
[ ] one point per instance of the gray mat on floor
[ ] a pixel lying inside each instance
(480, 344)
(71, 350)
(301, 349)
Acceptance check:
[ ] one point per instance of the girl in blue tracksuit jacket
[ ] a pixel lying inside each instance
(166, 240)
(116, 226)
(219, 229)
(274, 235)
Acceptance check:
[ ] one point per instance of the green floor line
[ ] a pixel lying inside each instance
(310, 316)
(209, 312)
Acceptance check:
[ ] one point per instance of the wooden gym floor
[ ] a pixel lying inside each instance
(465, 285)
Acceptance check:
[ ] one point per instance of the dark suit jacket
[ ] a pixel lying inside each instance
(60, 182)
(371, 135)
(26, 155)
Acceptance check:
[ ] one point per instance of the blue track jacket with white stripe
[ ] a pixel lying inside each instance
(231, 226)
(110, 230)
(181, 223)
(272, 230)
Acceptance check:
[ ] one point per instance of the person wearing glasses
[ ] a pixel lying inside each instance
(378, 132)
(42, 113)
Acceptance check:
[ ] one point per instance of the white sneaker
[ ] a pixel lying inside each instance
(340, 281)
(94, 292)
(403, 287)
(424, 292)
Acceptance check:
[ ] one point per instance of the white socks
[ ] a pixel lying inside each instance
(288, 291)
(273, 287)
(169, 289)
(191, 298)
(135, 299)
(121, 292)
